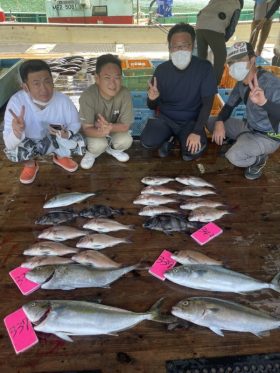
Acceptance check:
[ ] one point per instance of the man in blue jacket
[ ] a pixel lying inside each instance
(182, 91)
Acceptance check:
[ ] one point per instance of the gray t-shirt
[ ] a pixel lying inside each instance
(116, 110)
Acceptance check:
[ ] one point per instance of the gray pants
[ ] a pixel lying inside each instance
(249, 144)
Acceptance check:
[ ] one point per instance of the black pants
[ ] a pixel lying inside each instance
(161, 129)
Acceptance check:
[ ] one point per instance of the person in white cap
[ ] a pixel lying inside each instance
(258, 135)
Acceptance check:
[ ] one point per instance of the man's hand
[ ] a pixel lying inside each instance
(257, 94)
(193, 143)
(153, 92)
(219, 133)
(104, 127)
(18, 125)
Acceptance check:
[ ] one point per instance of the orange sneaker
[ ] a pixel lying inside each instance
(66, 163)
(28, 174)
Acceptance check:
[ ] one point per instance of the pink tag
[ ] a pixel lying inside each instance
(24, 285)
(206, 233)
(163, 263)
(20, 331)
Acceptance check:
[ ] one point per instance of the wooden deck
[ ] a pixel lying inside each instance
(249, 244)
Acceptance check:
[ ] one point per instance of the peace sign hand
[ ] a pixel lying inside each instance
(18, 124)
(257, 94)
(153, 92)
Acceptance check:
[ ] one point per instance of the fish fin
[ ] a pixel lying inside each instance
(113, 334)
(106, 287)
(217, 331)
(275, 283)
(157, 316)
(64, 336)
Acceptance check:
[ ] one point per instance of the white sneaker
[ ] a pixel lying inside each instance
(87, 161)
(118, 154)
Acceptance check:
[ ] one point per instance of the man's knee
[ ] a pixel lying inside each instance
(98, 146)
(122, 142)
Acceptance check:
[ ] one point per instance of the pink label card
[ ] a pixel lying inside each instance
(24, 285)
(20, 331)
(163, 263)
(206, 233)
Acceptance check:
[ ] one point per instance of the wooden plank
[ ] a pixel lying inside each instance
(249, 244)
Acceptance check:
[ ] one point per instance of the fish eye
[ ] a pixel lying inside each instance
(186, 303)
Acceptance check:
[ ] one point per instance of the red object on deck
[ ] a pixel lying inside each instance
(2, 15)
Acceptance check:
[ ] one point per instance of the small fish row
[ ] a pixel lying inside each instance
(53, 253)
(203, 210)
(95, 241)
(186, 180)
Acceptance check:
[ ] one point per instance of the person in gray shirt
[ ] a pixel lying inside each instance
(258, 135)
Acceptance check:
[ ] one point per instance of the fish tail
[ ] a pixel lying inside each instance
(157, 316)
(275, 283)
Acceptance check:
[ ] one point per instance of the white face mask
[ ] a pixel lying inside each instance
(239, 70)
(40, 103)
(181, 59)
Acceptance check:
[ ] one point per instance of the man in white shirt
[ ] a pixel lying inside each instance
(40, 121)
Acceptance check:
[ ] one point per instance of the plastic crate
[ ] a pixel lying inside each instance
(227, 81)
(260, 61)
(136, 83)
(141, 116)
(136, 64)
(138, 72)
(155, 63)
(217, 105)
(273, 69)
(139, 99)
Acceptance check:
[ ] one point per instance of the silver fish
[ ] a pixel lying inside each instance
(153, 200)
(95, 259)
(194, 181)
(106, 225)
(194, 203)
(205, 214)
(196, 191)
(193, 257)
(157, 210)
(218, 278)
(49, 248)
(70, 318)
(169, 223)
(73, 276)
(100, 211)
(56, 217)
(158, 190)
(66, 199)
(218, 315)
(100, 241)
(61, 233)
(37, 261)
(156, 180)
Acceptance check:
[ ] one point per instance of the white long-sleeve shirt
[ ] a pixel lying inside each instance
(60, 110)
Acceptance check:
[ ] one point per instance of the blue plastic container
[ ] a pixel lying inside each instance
(141, 116)
(139, 99)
